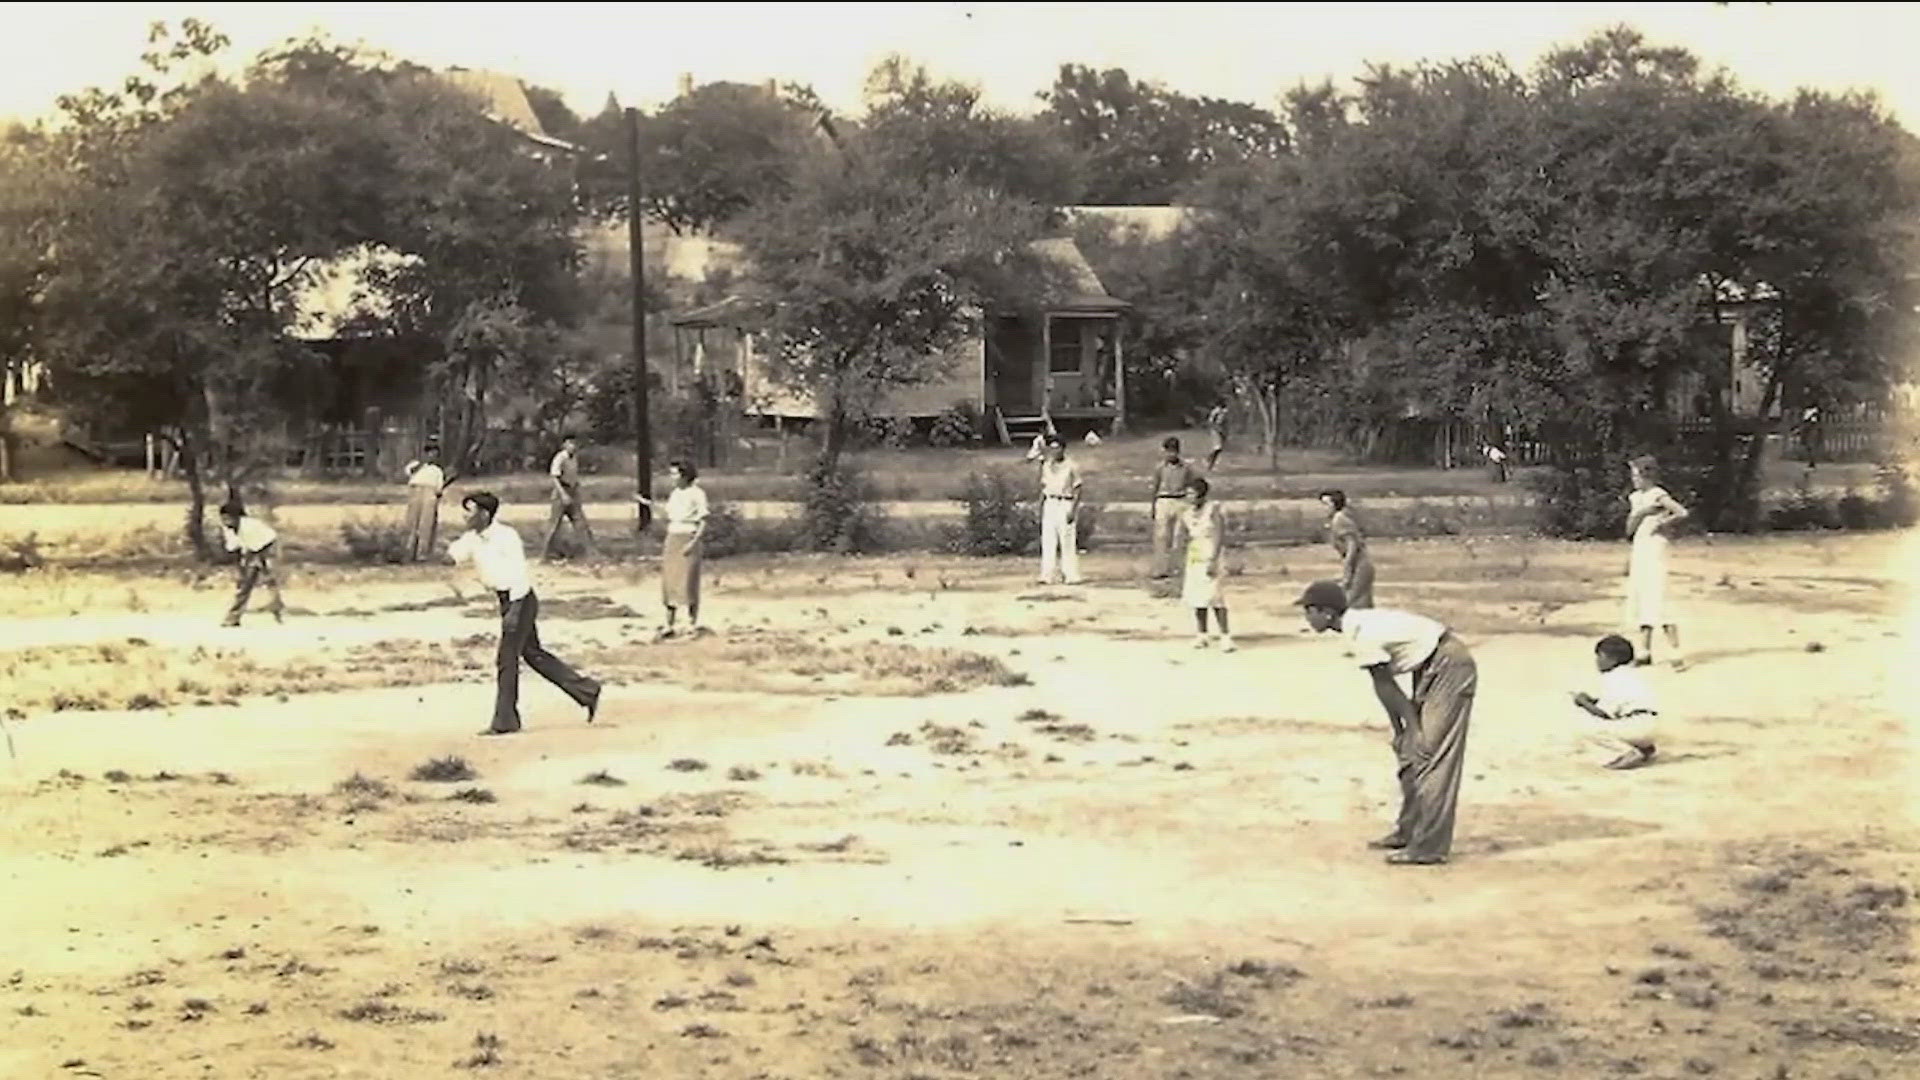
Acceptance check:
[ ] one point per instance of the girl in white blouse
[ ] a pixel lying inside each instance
(680, 554)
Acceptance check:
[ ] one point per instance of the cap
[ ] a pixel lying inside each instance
(485, 500)
(1324, 594)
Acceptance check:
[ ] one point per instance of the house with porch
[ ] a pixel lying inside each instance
(1054, 363)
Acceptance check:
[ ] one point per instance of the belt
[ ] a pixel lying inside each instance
(1068, 498)
(1634, 713)
(1169, 496)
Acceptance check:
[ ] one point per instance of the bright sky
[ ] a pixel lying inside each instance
(1249, 52)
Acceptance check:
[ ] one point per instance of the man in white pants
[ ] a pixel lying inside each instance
(1059, 510)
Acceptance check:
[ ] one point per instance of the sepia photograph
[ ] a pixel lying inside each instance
(921, 541)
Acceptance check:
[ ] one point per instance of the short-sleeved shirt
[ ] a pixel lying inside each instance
(1343, 532)
(1399, 639)
(1206, 528)
(1059, 479)
(1217, 418)
(566, 468)
(686, 509)
(1170, 479)
(253, 535)
(425, 474)
(1624, 693)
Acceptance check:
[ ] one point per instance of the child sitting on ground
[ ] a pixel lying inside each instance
(1620, 721)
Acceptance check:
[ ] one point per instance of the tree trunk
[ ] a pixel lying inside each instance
(833, 442)
(196, 496)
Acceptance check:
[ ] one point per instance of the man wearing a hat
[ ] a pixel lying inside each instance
(1429, 728)
(500, 558)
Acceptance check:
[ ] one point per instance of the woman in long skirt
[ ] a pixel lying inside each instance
(1206, 541)
(1356, 566)
(1650, 513)
(680, 554)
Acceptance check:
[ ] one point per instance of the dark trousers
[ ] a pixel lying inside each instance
(520, 640)
(1433, 756)
(255, 567)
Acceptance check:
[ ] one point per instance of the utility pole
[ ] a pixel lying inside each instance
(643, 437)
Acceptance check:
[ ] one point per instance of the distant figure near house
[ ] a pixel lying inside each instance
(1217, 425)
(565, 474)
(255, 541)
(425, 481)
(1496, 463)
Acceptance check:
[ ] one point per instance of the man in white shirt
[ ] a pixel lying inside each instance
(1620, 721)
(425, 482)
(1429, 727)
(564, 473)
(1059, 511)
(500, 560)
(254, 540)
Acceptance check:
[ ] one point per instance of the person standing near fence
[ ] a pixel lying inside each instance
(425, 481)
(1217, 419)
(500, 559)
(1356, 566)
(1169, 492)
(1060, 488)
(565, 476)
(255, 542)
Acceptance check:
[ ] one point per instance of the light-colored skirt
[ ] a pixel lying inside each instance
(1199, 589)
(680, 560)
(1647, 583)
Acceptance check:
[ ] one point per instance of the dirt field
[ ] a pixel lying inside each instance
(920, 818)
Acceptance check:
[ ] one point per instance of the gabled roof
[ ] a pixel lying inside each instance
(1071, 286)
(504, 99)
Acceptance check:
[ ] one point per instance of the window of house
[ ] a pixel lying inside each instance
(1065, 358)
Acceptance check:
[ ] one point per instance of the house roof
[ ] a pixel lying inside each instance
(1147, 222)
(1071, 286)
(504, 99)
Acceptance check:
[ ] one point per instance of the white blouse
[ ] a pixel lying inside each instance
(686, 509)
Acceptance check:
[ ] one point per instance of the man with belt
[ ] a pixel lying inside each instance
(1059, 511)
(565, 473)
(501, 562)
(1429, 728)
(1170, 479)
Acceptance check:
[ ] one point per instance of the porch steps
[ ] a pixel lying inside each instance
(1025, 427)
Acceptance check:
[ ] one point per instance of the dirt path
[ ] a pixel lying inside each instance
(1147, 862)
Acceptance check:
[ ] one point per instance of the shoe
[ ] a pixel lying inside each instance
(1389, 842)
(1679, 663)
(1202, 641)
(593, 707)
(1643, 661)
(1631, 760)
(231, 621)
(665, 633)
(509, 731)
(1227, 645)
(1408, 858)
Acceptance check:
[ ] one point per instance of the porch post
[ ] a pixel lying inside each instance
(1119, 378)
(1046, 368)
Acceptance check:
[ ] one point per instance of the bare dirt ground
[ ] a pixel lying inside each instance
(920, 818)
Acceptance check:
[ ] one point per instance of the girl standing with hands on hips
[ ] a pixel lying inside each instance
(1650, 513)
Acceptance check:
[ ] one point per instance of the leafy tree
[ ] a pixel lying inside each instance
(28, 186)
(1145, 143)
(931, 128)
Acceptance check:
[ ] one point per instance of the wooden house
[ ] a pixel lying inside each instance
(1055, 362)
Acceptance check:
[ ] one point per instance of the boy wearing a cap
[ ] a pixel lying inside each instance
(1429, 727)
(500, 559)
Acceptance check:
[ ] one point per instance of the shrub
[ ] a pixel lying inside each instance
(374, 541)
(839, 514)
(1000, 519)
(1086, 523)
(960, 425)
(1898, 507)
(1803, 509)
(722, 537)
(889, 432)
(1580, 501)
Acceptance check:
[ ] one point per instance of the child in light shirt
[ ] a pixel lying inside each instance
(1619, 721)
